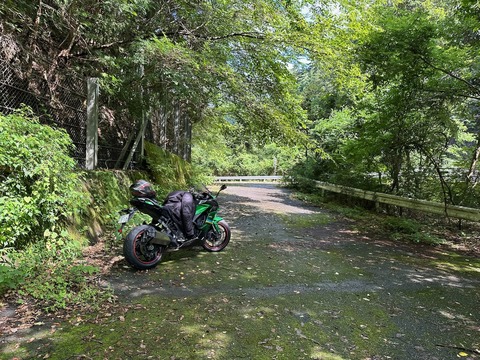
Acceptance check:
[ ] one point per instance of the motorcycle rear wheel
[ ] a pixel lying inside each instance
(138, 250)
(215, 242)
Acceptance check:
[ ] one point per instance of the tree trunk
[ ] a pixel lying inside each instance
(473, 165)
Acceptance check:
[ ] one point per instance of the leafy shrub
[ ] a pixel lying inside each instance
(302, 176)
(53, 274)
(108, 193)
(167, 169)
(410, 230)
(10, 278)
(170, 172)
(39, 188)
(402, 225)
(42, 197)
(426, 238)
(40, 194)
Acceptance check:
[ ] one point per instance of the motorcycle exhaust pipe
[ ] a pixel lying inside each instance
(160, 238)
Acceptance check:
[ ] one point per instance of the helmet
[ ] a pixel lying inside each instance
(142, 188)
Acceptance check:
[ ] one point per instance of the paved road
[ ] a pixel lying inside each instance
(296, 282)
(341, 291)
(430, 301)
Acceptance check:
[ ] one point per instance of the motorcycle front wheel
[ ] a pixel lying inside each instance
(217, 241)
(138, 250)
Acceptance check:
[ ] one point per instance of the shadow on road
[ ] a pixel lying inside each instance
(296, 282)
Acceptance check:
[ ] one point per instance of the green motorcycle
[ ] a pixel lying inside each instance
(145, 245)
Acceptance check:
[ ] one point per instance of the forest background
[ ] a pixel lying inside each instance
(381, 95)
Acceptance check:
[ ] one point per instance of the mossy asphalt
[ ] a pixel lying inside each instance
(296, 282)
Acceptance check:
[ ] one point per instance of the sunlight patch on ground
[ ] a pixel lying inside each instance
(318, 353)
(426, 277)
(277, 207)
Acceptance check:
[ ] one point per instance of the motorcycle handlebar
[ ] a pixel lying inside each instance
(207, 194)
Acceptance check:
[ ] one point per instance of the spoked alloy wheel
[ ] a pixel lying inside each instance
(138, 250)
(217, 241)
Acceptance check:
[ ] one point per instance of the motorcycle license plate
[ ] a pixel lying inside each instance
(124, 219)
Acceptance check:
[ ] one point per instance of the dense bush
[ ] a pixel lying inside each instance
(53, 270)
(54, 275)
(41, 196)
(38, 187)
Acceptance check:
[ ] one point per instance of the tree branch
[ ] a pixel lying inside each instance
(466, 96)
(247, 34)
(449, 73)
(36, 24)
(251, 34)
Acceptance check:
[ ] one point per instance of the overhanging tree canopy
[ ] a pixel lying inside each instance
(215, 57)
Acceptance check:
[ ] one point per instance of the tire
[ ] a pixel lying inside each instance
(215, 242)
(137, 250)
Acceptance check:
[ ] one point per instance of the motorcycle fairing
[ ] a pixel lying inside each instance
(215, 221)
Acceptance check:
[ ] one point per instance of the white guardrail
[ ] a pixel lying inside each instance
(459, 212)
(454, 211)
(248, 178)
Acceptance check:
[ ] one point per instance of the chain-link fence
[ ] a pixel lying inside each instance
(116, 134)
(63, 103)
(63, 107)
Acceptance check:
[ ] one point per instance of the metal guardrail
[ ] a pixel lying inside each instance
(248, 178)
(458, 212)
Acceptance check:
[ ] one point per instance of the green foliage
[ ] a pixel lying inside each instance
(46, 207)
(225, 60)
(39, 188)
(223, 150)
(10, 278)
(51, 270)
(168, 169)
(171, 172)
(108, 193)
(302, 175)
(409, 230)
(392, 100)
(52, 274)
(270, 159)
(402, 225)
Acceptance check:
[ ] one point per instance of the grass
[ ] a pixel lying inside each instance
(299, 221)
(420, 230)
(225, 326)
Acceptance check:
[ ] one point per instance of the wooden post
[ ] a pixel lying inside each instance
(143, 115)
(135, 145)
(187, 150)
(176, 128)
(92, 124)
(187, 134)
(124, 150)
